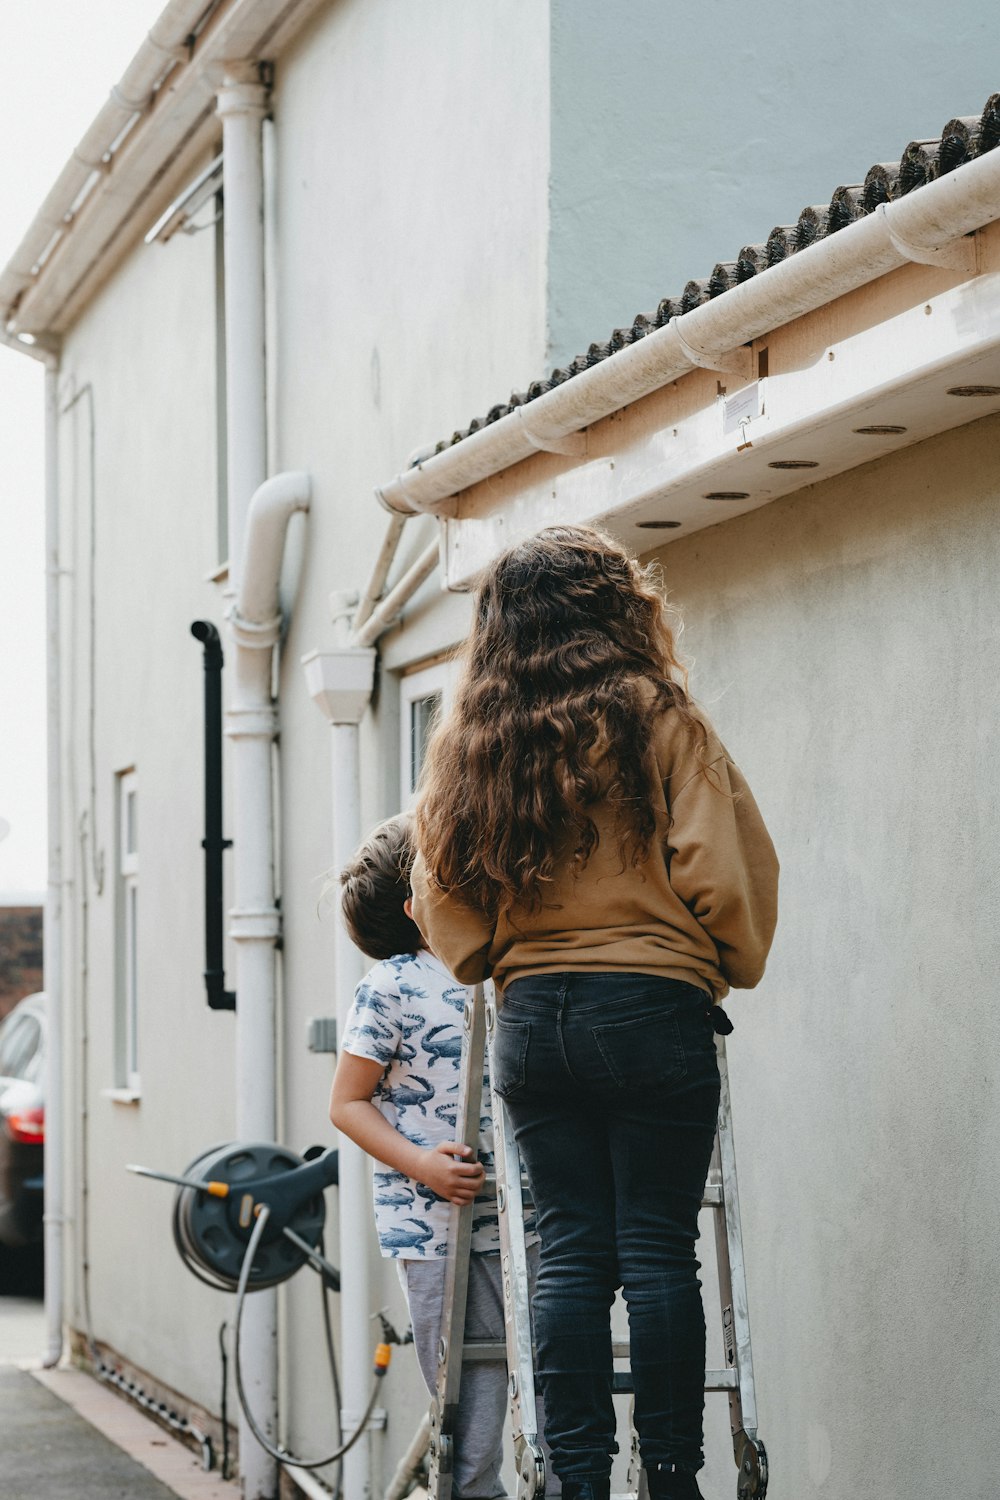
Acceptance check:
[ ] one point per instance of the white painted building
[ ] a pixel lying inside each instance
(451, 199)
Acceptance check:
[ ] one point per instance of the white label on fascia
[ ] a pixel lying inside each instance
(742, 407)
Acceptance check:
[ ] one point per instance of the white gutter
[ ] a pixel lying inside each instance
(163, 50)
(252, 725)
(122, 164)
(340, 683)
(927, 226)
(55, 1145)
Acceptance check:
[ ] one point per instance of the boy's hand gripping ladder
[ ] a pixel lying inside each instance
(721, 1195)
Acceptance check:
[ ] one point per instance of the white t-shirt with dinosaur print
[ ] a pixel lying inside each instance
(407, 1015)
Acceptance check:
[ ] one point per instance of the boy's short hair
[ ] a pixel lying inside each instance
(375, 885)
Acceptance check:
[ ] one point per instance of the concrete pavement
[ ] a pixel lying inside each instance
(48, 1451)
(65, 1436)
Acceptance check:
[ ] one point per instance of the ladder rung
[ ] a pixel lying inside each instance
(480, 1352)
(715, 1380)
(490, 1180)
(713, 1196)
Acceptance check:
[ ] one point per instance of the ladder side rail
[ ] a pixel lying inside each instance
(444, 1407)
(732, 1266)
(517, 1301)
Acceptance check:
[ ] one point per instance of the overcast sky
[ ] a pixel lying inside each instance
(65, 58)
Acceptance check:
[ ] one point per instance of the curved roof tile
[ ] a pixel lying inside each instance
(961, 139)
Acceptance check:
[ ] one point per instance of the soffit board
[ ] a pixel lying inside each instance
(883, 356)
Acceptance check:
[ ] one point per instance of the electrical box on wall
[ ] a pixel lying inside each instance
(322, 1034)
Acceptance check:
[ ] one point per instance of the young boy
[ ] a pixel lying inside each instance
(395, 1093)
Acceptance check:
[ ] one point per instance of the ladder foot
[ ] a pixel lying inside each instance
(751, 1456)
(531, 1473)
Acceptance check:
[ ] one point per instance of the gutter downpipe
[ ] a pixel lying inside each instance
(53, 1217)
(252, 726)
(927, 227)
(367, 632)
(251, 722)
(340, 683)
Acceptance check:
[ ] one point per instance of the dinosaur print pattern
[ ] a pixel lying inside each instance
(407, 1015)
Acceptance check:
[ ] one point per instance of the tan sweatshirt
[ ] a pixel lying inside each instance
(702, 908)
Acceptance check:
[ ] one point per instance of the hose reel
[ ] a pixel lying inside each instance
(215, 1211)
(247, 1217)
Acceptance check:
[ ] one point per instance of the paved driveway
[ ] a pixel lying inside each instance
(48, 1452)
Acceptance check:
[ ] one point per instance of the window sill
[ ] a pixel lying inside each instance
(122, 1096)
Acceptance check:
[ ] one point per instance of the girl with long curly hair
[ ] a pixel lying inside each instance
(586, 840)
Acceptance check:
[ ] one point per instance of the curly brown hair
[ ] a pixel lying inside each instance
(570, 661)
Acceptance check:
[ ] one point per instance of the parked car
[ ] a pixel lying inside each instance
(22, 1122)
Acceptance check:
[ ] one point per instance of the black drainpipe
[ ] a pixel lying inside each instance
(219, 998)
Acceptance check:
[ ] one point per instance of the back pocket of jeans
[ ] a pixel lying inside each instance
(509, 1059)
(642, 1053)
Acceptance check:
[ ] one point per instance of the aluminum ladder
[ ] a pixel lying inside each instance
(510, 1186)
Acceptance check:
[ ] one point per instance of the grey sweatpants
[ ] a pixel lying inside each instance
(482, 1403)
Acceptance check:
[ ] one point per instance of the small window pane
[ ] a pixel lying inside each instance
(131, 823)
(423, 713)
(132, 896)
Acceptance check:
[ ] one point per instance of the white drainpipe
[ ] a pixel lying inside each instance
(53, 1217)
(340, 682)
(242, 105)
(251, 722)
(251, 725)
(54, 1144)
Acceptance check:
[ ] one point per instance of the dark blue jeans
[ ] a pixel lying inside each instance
(612, 1085)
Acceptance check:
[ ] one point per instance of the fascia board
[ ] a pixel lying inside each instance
(659, 462)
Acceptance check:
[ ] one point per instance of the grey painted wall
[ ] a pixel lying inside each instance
(680, 134)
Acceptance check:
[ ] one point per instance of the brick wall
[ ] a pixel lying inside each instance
(20, 954)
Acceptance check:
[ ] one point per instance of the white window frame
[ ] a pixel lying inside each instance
(128, 874)
(438, 678)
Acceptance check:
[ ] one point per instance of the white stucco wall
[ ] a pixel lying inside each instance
(843, 645)
(410, 231)
(146, 347)
(408, 228)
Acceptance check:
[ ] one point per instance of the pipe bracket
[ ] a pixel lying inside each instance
(573, 444)
(737, 361)
(259, 722)
(259, 635)
(254, 924)
(955, 255)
